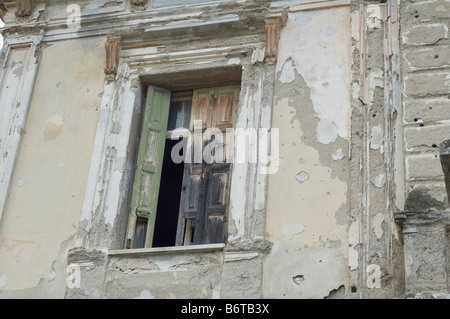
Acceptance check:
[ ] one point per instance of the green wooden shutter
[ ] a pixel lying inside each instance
(147, 178)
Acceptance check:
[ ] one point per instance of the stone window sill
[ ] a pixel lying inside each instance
(166, 250)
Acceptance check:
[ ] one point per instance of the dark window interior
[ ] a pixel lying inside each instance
(172, 174)
(168, 199)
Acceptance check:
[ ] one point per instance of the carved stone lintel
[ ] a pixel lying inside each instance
(112, 55)
(24, 8)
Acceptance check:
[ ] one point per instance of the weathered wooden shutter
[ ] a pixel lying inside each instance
(205, 192)
(144, 200)
(217, 189)
(204, 202)
(190, 221)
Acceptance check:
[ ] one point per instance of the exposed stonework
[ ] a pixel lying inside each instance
(137, 2)
(425, 60)
(138, 5)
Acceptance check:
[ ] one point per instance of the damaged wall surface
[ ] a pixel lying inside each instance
(308, 232)
(41, 218)
(344, 197)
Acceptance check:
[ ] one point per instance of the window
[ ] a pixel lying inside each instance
(182, 202)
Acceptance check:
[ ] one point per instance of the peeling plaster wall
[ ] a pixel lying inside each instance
(47, 187)
(307, 207)
(352, 152)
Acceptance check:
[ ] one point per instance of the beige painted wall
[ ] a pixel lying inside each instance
(47, 188)
(307, 198)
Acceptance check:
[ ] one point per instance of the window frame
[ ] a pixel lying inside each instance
(184, 228)
(104, 213)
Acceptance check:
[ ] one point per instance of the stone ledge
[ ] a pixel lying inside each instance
(408, 219)
(166, 250)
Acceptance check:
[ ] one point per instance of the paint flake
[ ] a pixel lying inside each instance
(302, 176)
(3, 281)
(287, 73)
(292, 229)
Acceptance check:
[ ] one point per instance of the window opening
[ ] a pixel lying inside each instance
(173, 202)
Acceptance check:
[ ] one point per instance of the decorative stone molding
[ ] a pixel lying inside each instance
(138, 5)
(138, 2)
(3, 11)
(112, 56)
(273, 26)
(271, 40)
(23, 8)
(15, 103)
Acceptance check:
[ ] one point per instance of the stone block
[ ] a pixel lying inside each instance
(422, 85)
(425, 256)
(86, 273)
(241, 276)
(426, 197)
(423, 166)
(426, 11)
(426, 138)
(429, 110)
(424, 34)
(428, 58)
